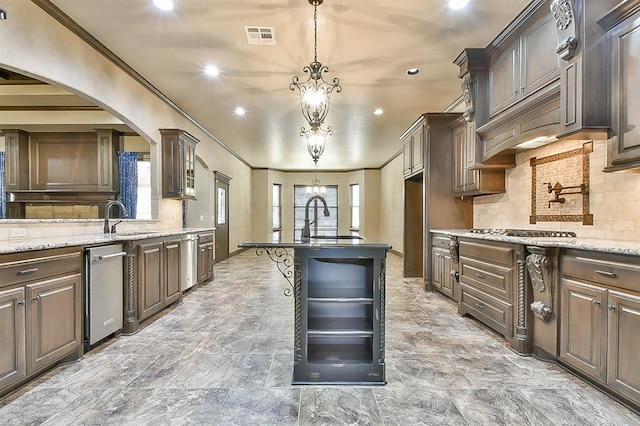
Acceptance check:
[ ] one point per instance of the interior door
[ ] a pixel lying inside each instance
(222, 216)
(413, 227)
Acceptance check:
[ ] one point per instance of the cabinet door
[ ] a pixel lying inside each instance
(150, 276)
(504, 80)
(624, 146)
(406, 158)
(437, 268)
(12, 329)
(202, 262)
(172, 274)
(190, 169)
(459, 176)
(623, 372)
(540, 63)
(417, 150)
(210, 256)
(583, 326)
(447, 279)
(54, 319)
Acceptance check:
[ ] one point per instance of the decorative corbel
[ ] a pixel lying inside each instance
(562, 11)
(467, 95)
(540, 268)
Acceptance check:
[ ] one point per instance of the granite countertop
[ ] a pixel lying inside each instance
(323, 243)
(594, 244)
(90, 240)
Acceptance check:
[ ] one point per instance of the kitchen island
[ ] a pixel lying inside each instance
(338, 287)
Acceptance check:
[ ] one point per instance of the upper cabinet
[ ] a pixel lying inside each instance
(413, 148)
(543, 78)
(178, 164)
(623, 38)
(524, 67)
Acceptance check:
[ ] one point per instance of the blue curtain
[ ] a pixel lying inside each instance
(129, 182)
(3, 198)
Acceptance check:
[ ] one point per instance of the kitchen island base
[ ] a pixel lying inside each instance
(339, 295)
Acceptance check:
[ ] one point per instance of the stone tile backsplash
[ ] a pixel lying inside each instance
(614, 198)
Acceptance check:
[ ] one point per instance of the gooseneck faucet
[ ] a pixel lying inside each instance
(306, 232)
(107, 211)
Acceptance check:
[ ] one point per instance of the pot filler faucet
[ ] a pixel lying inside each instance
(107, 211)
(306, 232)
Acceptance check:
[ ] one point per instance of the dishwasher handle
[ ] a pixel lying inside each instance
(109, 256)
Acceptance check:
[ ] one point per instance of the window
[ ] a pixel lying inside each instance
(144, 189)
(222, 206)
(355, 207)
(320, 225)
(277, 212)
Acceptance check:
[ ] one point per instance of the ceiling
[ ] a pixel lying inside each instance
(367, 44)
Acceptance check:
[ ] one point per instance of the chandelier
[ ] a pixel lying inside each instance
(315, 188)
(316, 139)
(315, 92)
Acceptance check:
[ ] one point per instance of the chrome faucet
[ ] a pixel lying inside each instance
(306, 232)
(107, 211)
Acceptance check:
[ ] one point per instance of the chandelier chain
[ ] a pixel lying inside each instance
(315, 32)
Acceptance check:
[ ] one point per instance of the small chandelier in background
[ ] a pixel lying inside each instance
(315, 188)
(315, 93)
(316, 140)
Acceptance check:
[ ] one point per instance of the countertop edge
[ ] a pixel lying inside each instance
(319, 244)
(631, 248)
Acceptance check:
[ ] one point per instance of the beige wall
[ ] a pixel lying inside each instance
(614, 198)
(35, 44)
(392, 204)
(262, 200)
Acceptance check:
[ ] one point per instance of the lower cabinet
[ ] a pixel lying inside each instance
(40, 312)
(600, 319)
(205, 257)
(159, 273)
(443, 274)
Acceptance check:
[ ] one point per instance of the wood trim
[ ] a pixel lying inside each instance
(619, 13)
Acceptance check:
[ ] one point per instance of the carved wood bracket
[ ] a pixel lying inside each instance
(540, 268)
(562, 11)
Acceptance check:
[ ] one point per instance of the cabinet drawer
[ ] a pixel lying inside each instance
(205, 238)
(440, 241)
(483, 250)
(603, 269)
(487, 309)
(39, 266)
(492, 279)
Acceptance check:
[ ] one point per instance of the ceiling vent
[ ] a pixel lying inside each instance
(260, 35)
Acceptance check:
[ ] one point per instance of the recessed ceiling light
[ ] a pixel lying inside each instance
(240, 111)
(413, 71)
(164, 4)
(457, 4)
(211, 71)
(378, 111)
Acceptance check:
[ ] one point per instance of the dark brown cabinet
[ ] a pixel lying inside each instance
(469, 180)
(443, 275)
(523, 67)
(413, 149)
(40, 312)
(623, 37)
(206, 257)
(493, 290)
(178, 164)
(600, 319)
(158, 276)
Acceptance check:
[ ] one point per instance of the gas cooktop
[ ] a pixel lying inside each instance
(523, 232)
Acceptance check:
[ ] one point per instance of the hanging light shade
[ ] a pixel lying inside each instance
(316, 140)
(315, 92)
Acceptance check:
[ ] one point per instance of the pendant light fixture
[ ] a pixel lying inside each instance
(316, 140)
(315, 92)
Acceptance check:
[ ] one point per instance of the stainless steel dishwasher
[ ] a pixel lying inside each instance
(103, 292)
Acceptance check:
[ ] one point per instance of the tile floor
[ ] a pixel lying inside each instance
(224, 357)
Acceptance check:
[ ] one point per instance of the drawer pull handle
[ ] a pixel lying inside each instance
(480, 305)
(606, 273)
(612, 307)
(595, 302)
(27, 271)
(36, 298)
(479, 275)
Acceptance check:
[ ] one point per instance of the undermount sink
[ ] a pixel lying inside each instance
(336, 237)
